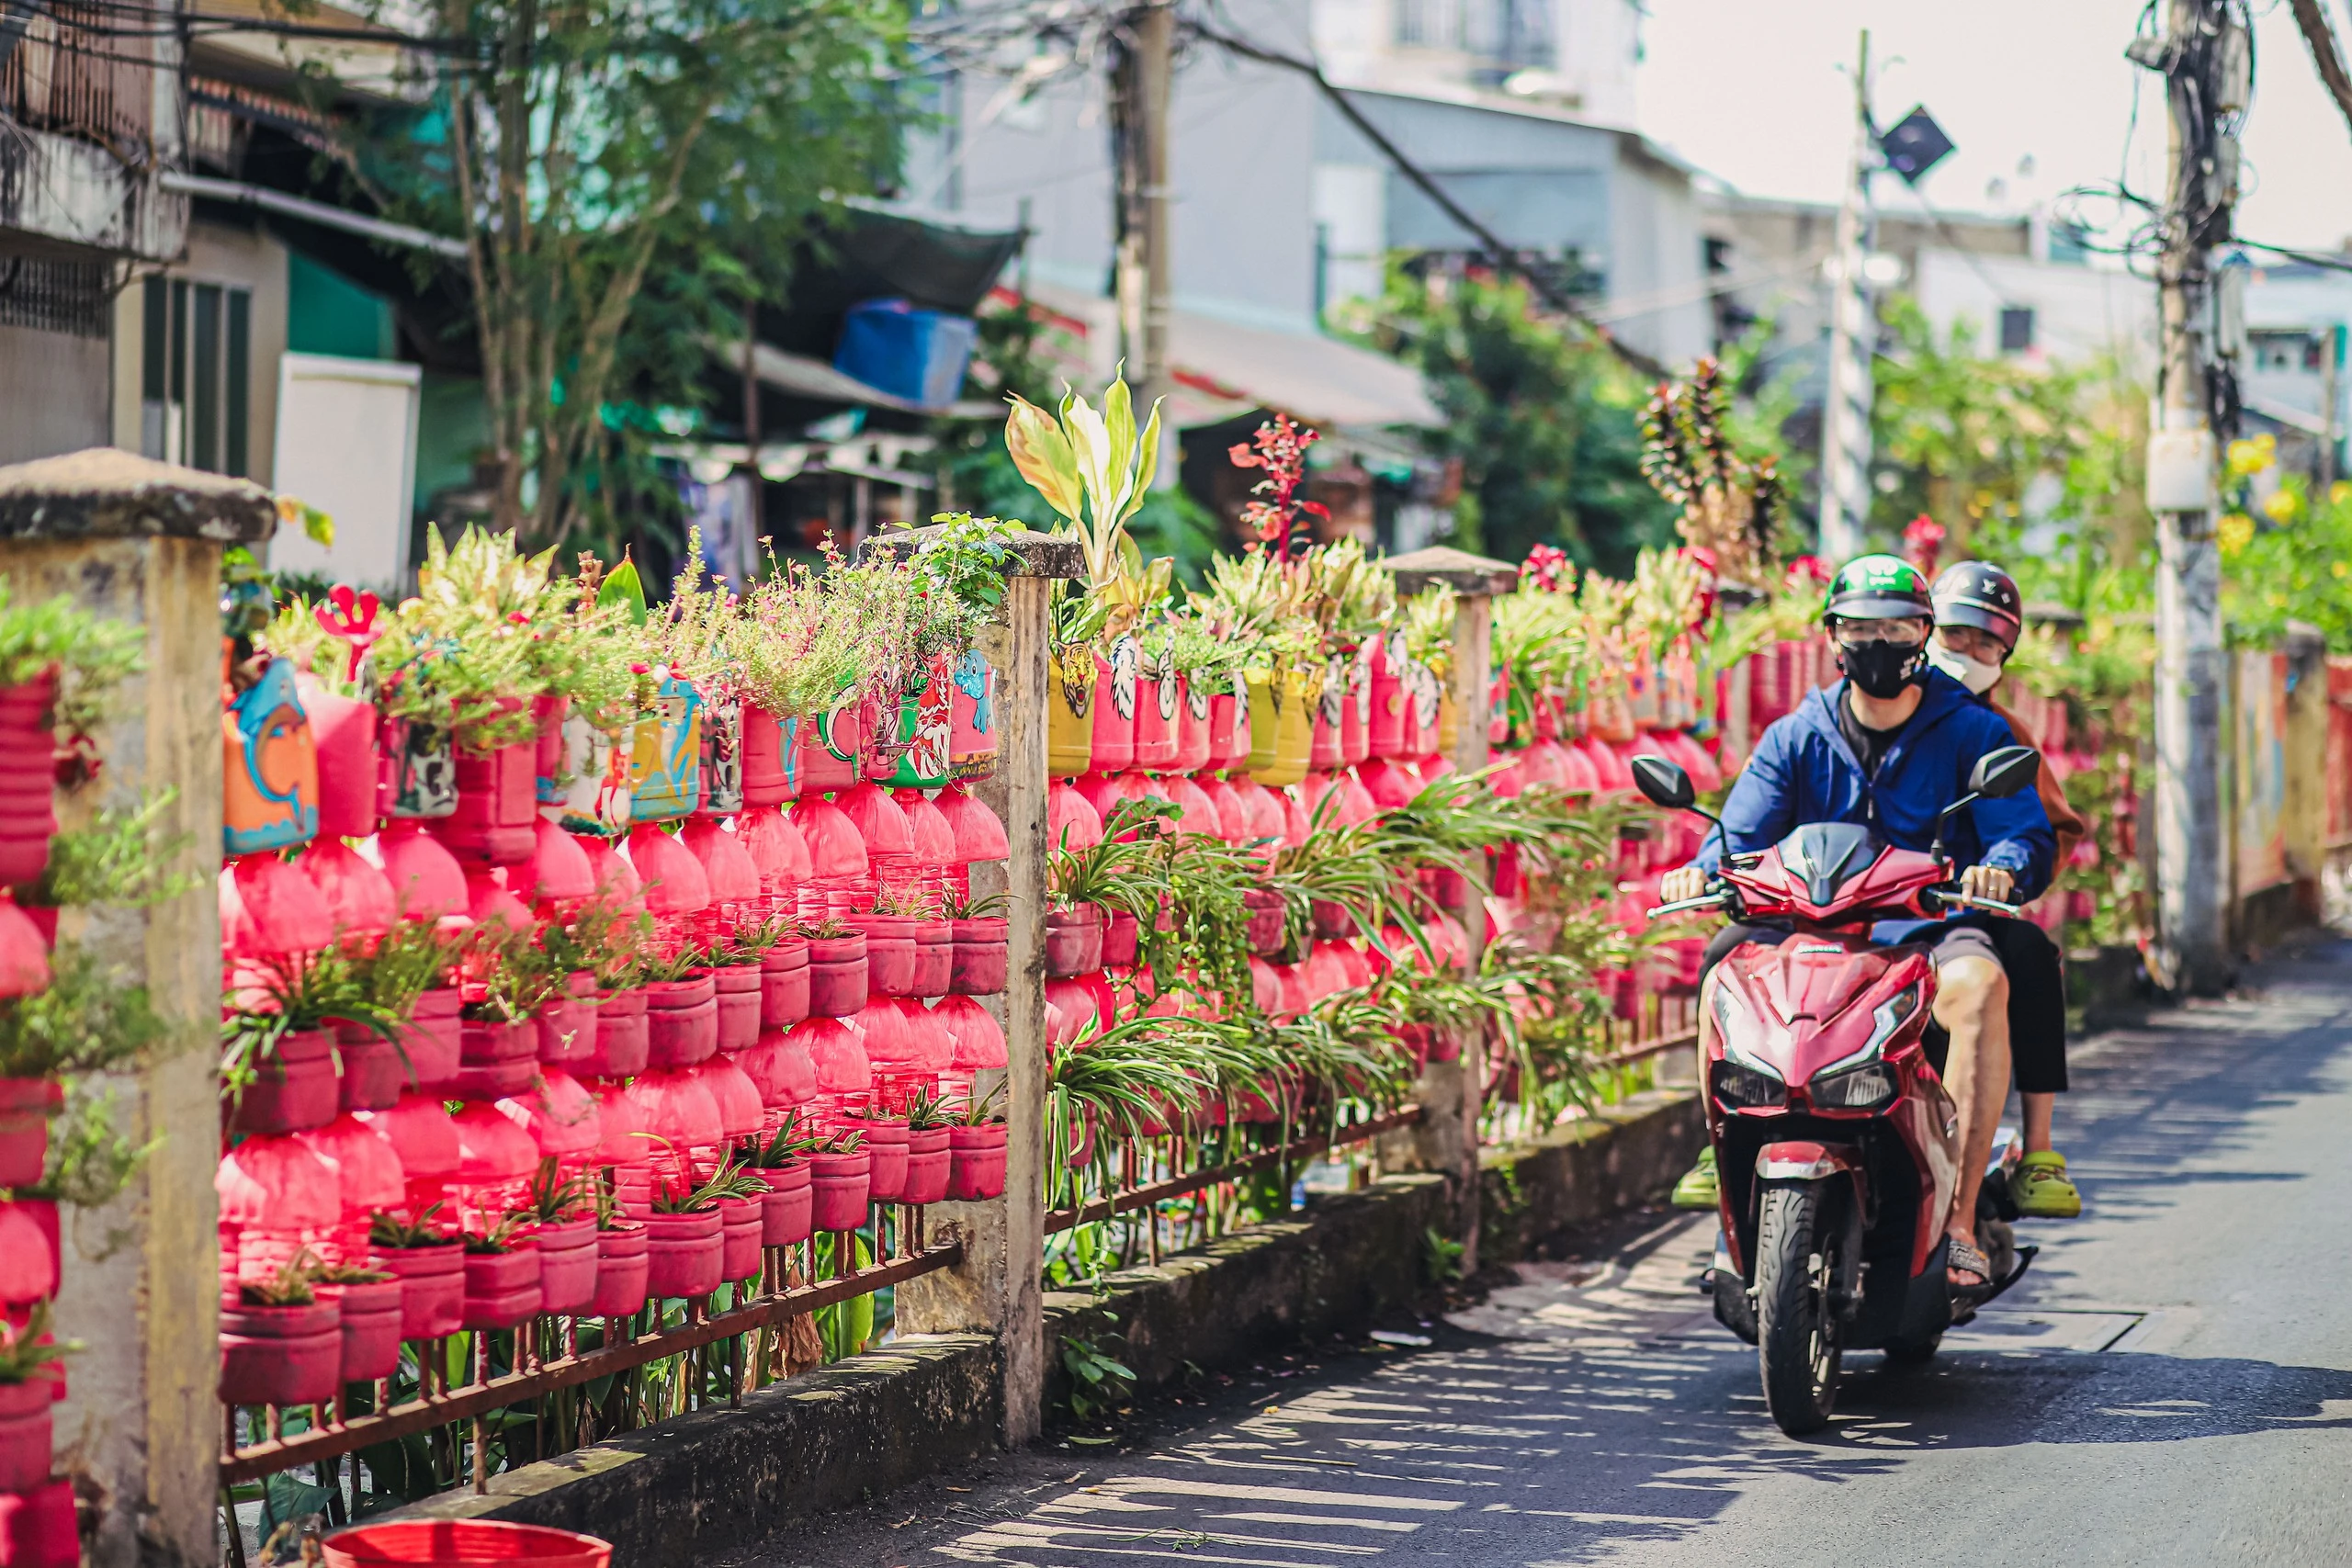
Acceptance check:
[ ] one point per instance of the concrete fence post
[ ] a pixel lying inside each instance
(1453, 1093)
(139, 1432)
(998, 1285)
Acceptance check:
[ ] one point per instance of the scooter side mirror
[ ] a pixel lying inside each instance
(1663, 783)
(2009, 771)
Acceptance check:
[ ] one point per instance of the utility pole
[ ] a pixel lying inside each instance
(2204, 57)
(1853, 332)
(1142, 85)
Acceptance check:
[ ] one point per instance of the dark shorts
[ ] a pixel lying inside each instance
(2026, 954)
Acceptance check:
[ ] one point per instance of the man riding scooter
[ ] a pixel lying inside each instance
(1889, 747)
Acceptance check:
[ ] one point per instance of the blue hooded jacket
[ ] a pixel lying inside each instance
(1803, 771)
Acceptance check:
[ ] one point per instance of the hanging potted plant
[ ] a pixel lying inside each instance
(803, 665)
(929, 1121)
(781, 1159)
(87, 1020)
(559, 1217)
(278, 1067)
(367, 1306)
(685, 1246)
(737, 981)
(498, 1038)
(839, 979)
(502, 1275)
(681, 1007)
(280, 1343)
(621, 1262)
(981, 932)
(784, 971)
(976, 1147)
(956, 573)
(59, 665)
(429, 1263)
(27, 1393)
(841, 1177)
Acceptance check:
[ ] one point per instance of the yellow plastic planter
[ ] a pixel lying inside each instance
(1292, 727)
(1070, 712)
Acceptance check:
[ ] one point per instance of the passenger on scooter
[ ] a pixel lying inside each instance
(1979, 615)
(1890, 746)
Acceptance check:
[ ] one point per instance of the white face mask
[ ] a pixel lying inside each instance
(1975, 674)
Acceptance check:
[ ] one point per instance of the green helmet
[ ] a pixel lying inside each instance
(1876, 588)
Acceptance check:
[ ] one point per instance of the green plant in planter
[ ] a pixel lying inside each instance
(119, 858)
(90, 1159)
(498, 1239)
(386, 1229)
(798, 652)
(913, 903)
(23, 1357)
(302, 991)
(289, 1287)
(988, 1108)
(414, 957)
(988, 906)
(789, 1144)
(89, 1020)
(830, 929)
(730, 1180)
(91, 654)
(555, 1197)
(1119, 875)
(657, 967)
(348, 1274)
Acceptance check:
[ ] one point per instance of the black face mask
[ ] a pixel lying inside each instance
(1882, 668)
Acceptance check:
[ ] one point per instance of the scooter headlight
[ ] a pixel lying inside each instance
(1741, 1088)
(1862, 1089)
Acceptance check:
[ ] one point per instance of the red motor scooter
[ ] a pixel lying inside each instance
(1837, 1145)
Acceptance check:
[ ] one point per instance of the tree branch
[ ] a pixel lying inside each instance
(2319, 38)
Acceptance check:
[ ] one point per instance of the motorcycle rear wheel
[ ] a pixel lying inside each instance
(1798, 1337)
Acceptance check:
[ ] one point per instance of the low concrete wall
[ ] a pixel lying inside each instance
(1623, 1155)
(679, 1492)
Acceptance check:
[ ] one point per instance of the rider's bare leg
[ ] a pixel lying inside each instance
(1973, 1005)
(2041, 1109)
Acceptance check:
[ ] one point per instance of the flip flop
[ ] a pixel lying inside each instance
(1963, 1256)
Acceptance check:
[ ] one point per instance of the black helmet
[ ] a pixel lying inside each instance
(1877, 588)
(1977, 594)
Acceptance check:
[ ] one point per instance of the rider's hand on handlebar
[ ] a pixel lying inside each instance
(1683, 882)
(1987, 882)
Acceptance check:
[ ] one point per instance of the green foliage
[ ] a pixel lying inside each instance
(119, 858)
(400, 1232)
(290, 1286)
(89, 1020)
(1545, 422)
(23, 1356)
(2290, 560)
(90, 1158)
(1099, 1385)
(1440, 1256)
(91, 654)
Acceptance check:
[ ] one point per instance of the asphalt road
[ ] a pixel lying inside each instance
(2171, 1384)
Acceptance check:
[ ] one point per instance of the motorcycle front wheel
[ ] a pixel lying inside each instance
(1798, 1330)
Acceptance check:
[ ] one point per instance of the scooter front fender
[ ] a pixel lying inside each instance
(1801, 1159)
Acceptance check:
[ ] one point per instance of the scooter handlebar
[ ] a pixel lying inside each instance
(1707, 901)
(1975, 901)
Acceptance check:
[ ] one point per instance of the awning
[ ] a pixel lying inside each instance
(801, 377)
(1222, 368)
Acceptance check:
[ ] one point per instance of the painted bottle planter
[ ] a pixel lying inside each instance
(370, 1318)
(568, 1265)
(1073, 942)
(737, 988)
(889, 952)
(666, 756)
(785, 983)
(623, 1036)
(831, 746)
(344, 729)
(547, 749)
(25, 1434)
(29, 786)
(683, 1253)
(1355, 714)
(1118, 674)
(722, 759)
(498, 803)
(926, 729)
(972, 739)
(621, 1268)
(787, 1209)
(1159, 702)
(1191, 725)
(503, 1288)
(681, 1022)
(26, 1106)
(976, 1161)
(287, 1355)
(269, 784)
(935, 961)
(1074, 691)
(841, 1185)
(980, 963)
(1121, 936)
(886, 1146)
(1230, 737)
(838, 977)
(929, 1164)
(293, 1088)
(771, 757)
(432, 1288)
(416, 771)
(741, 1226)
(567, 1027)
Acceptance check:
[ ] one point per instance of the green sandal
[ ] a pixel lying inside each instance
(2041, 1189)
(1698, 1188)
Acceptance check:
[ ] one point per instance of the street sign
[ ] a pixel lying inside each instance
(1915, 146)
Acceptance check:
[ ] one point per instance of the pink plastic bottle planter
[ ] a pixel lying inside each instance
(779, 854)
(838, 978)
(771, 757)
(497, 1058)
(734, 1094)
(1121, 935)
(979, 964)
(425, 1137)
(783, 984)
(358, 896)
(978, 1040)
(503, 1288)
(1116, 699)
(26, 1106)
(294, 1087)
(787, 1211)
(37, 1527)
(935, 960)
(838, 1053)
(840, 1184)
(563, 1118)
(27, 1253)
(976, 1161)
(432, 1288)
(831, 746)
(498, 803)
(742, 1229)
(737, 988)
(620, 1270)
(286, 1355)
(683, 1253)
(28, 786)
(889, 952)
(567, 1250)
(885, 1143)
(1073, 942)
(559, 867)
(433, 1039)
(671, 879)
(567, 1027)
(371, 1329)
(928, 1164)
(623, 1036)
(681, 1020)
(427, 882)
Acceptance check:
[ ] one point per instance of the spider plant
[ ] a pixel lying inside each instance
(987, 1108)
(787, 1144)
(386, 1229)
(290, 1286)
(1121, 871)
(987, 905)
(678, 964)
(499, 1237)
(553, 1196)
(296, 993)
(23, 1356)
(348, 1274)
(727, 1179)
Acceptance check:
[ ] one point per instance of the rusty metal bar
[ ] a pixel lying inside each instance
(1178, 1186)
(1642, 1050)
(514, 1388)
